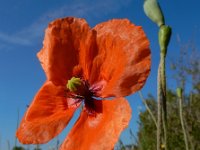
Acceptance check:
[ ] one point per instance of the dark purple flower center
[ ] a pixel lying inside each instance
(84, 92)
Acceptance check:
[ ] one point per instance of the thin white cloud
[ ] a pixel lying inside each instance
(86, 9)
(13, 39)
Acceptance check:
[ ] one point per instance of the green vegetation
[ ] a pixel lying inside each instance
(191, 113)
(183, 110)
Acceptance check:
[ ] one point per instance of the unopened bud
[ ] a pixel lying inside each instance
(164, 38)
(153, 11)
(179, 92)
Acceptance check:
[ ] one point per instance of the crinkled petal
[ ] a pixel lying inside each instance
(47, 116)
(123, 60)
(100, 132)
(64, 39)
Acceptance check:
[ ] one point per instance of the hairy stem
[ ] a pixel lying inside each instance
(182, 122)
(159, 113)
(148, 109)
(164, 99)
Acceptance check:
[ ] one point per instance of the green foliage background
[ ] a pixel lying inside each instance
(186, 73)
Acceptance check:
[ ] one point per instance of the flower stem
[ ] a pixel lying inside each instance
(180, 97)
(164, 36)
(164, 99)
(148, 109)
(153, 10)
(159, 111)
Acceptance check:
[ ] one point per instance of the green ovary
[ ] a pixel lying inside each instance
(73, 84)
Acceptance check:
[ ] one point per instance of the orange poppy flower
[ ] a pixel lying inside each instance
(110, 60)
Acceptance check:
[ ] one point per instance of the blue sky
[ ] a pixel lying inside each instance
(22, 25)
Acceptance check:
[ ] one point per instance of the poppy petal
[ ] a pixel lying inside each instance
(64, 38)
(100, 131)
(47, 116)
(123, 59)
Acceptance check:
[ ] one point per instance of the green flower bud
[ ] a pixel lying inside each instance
(164, 38)
(73, 84)
(153, 11)
(179, 92)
